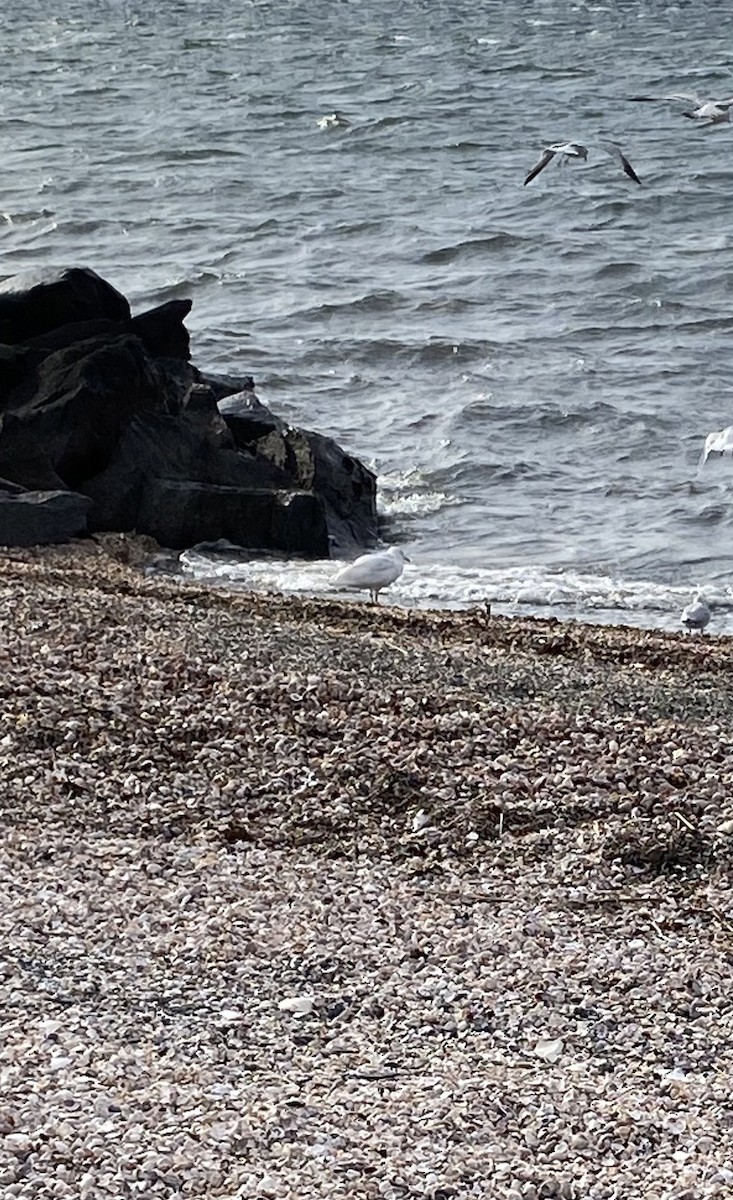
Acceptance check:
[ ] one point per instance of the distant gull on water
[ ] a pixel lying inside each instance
(696, 615)
(333, 120)
(570, 151)
(372, 571)
(705, 112)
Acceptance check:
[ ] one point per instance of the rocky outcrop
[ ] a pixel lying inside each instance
(39, 518)
(106, 408)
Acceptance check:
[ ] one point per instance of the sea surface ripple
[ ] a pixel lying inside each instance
(531, 371)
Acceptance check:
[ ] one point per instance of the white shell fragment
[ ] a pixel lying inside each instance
(549, 1049)
(299, 1006)
(420, 820)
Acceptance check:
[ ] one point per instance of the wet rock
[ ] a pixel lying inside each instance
(107, 405)
(39, 518)
(190, 447)
(178, 513)
(70, 413)
(162, 331)
(248, 420)
(38, 301)
(313, 462)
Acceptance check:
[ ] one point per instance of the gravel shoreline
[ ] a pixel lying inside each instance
(303, 898)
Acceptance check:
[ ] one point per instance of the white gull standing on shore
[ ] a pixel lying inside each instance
(696, 615)
(372, 571)
(569, 151)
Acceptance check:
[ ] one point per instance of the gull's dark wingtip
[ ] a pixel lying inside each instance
(629, 170)
(540, 166)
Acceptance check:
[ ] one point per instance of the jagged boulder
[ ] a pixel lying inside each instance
(248, 419)
(312, 462)
(39, 518)
(180, 513)
(69, 413)
(161, 331)
(191, 446)
(37, 301)
(107, 406)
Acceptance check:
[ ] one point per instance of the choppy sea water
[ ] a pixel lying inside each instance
(531, 371)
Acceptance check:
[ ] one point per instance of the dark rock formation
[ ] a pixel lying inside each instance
(37, 518)
(106, 409)
(39, 301)
(181, 513)
(313, 462)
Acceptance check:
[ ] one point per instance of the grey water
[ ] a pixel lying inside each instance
(531, 371)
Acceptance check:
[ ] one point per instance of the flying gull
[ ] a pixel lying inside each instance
(705, 112)
(372, 571)
(696, 615)
(718, 445)
(570, 151)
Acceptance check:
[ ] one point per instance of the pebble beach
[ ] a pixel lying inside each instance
(308, 898)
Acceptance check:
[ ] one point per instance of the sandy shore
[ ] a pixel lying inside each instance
(301, 898)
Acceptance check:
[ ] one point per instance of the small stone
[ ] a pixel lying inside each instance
(299, 1006)
(230, 1016)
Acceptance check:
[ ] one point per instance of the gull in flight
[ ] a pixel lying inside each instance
(705, 112)
(718, 445)
(372, 571)
(569, 151)
(696, 615)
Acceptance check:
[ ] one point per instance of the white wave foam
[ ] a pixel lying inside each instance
(524, 590)
(408, 494)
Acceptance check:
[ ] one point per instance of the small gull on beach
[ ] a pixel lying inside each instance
(696, 615)
(373, 571)
(569, 151)
(705, 112)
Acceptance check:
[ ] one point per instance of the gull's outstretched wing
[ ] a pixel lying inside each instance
(547, 156)
(683, 97)
(718, 445)
(616, 152)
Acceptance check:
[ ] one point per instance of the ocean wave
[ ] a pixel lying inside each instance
(383, 300)
(534, 590)
(409, 494)
(470, 246)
